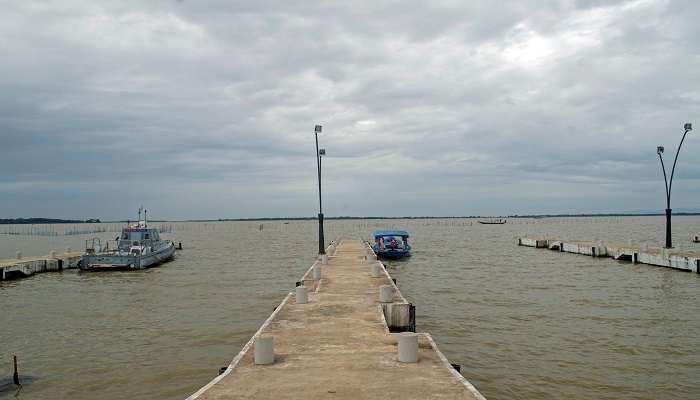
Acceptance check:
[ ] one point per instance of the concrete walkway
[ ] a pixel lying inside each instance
(338, 346)
(643, 254)
(27, 266)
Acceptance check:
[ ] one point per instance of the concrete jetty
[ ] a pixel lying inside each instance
(22, 267)
(635, 253)
(333, 338)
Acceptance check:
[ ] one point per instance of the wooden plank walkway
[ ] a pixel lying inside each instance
(338, 346)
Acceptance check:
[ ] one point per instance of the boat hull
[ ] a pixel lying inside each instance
(391, 254)
(116, 262)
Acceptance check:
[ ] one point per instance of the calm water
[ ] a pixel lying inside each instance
(523, 323)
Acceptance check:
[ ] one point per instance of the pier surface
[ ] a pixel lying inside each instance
(27, 266)
(338, 345)
(642, 254)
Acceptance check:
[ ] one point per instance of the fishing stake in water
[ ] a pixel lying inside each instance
(15, 376)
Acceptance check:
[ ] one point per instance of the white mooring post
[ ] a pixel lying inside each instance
(376, 270)
(408, 347)
(317, 272)
(301, 295)
(386, 294)
(264, 350)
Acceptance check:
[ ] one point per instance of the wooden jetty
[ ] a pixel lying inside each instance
(643, 254)
(22, 267)
(334, 338)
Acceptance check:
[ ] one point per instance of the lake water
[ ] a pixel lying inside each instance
(524, 323)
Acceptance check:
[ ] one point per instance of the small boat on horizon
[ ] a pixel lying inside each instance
(498, 221)
(138, 247)
(391, 244)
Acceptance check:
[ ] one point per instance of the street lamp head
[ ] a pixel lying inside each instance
(688, 126)
(318, 129)
(322, 152)
(659, 149)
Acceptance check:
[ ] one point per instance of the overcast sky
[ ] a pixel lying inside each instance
(206, 109)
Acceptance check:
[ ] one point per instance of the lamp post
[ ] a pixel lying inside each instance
(669, 182)
(319, 153)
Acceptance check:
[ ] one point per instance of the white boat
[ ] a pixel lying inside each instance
(138, 247)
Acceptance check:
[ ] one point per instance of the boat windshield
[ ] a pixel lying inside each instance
(391, 242)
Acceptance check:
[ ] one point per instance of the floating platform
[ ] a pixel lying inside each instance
(643, 254)
(22, 267)
(340, 344)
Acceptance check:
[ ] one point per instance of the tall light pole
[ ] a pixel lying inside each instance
(319, 153)
(669, 183)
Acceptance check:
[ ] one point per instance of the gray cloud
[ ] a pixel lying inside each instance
(206, 109)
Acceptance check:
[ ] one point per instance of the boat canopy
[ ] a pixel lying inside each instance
(379, 234)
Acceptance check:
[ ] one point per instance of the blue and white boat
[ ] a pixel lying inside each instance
(391, 244)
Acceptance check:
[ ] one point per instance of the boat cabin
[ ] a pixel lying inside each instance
(391, 244)
(137, 236)
(395, 240)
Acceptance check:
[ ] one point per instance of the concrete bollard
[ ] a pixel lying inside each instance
(53, 253)
(386, 294)
(301, 295)
(408, 347)
(18, 255)
(376, 270)
(317, 272)
(264, 350)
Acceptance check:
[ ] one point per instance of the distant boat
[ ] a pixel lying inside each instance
(493, 222)
(391, 244)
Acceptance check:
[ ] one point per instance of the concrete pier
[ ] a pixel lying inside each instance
(643, 254)
(340, 344)
(22, 267)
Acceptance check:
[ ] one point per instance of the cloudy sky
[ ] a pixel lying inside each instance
(206, 109)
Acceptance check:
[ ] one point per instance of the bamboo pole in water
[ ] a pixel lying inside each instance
(15, 375)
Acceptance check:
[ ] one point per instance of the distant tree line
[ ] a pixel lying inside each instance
(644, 214)
(19, 221)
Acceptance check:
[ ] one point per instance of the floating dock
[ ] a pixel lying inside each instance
(338, 337)
(643, 254)
(21, 267)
